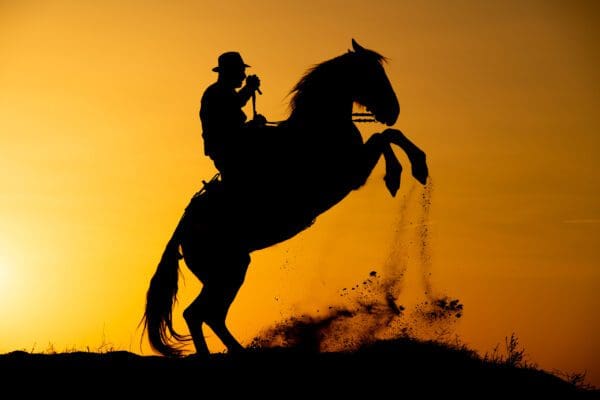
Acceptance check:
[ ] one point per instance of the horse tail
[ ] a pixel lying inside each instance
(160, 298)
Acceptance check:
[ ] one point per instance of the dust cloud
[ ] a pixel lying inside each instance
(371, 309)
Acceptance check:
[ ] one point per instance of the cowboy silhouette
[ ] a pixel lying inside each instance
(221, 109)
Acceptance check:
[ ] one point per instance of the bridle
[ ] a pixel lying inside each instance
(368, 117)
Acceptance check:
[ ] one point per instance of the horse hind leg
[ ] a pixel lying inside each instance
(222, 293)
(213, 303)
(195, 316)
(216, 318)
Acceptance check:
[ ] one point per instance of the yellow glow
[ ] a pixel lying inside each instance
(14, 283)
(7, 280)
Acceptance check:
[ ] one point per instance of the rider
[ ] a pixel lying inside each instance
(221, 108)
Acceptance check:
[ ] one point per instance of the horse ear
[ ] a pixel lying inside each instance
(357, 47)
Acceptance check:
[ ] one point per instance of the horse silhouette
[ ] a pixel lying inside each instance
(281, 179)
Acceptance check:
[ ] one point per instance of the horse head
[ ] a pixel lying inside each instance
(326, 92)
(371, 86)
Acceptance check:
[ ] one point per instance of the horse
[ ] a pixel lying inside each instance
(282, 179)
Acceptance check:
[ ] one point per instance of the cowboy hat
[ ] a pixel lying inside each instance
(230, 60)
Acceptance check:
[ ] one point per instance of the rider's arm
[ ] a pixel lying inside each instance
(244, 95)
(252, 85)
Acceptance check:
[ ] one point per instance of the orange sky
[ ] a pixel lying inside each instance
(101, 151)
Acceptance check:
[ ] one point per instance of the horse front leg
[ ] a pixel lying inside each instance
(393, 170)
(374, 147)
(417, 157)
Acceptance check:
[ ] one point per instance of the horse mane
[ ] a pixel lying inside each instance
(324, 74)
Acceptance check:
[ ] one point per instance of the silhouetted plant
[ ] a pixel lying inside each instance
(576, 379)
(104, 346)
(494, 357)
(515, 356)
(50, 349)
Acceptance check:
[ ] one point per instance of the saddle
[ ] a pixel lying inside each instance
(206, 195)
(215, 184)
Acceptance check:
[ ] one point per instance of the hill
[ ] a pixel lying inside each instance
(391, 368)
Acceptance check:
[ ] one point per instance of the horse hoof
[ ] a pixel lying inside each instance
(419, 168)
(199, 356)
(392, 183)
(421, 174)
(236, 350)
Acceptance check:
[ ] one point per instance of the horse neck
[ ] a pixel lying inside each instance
(327, 110)
(324, 98)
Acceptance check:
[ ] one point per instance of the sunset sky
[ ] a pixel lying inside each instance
(101, 152)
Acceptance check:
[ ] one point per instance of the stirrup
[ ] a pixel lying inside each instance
(215, 180)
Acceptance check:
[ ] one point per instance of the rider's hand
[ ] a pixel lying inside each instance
(260, 120)
(253, 82)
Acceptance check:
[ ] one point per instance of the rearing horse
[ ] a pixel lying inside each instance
(282, 178)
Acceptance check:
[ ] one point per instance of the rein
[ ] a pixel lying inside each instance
(370, 118)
